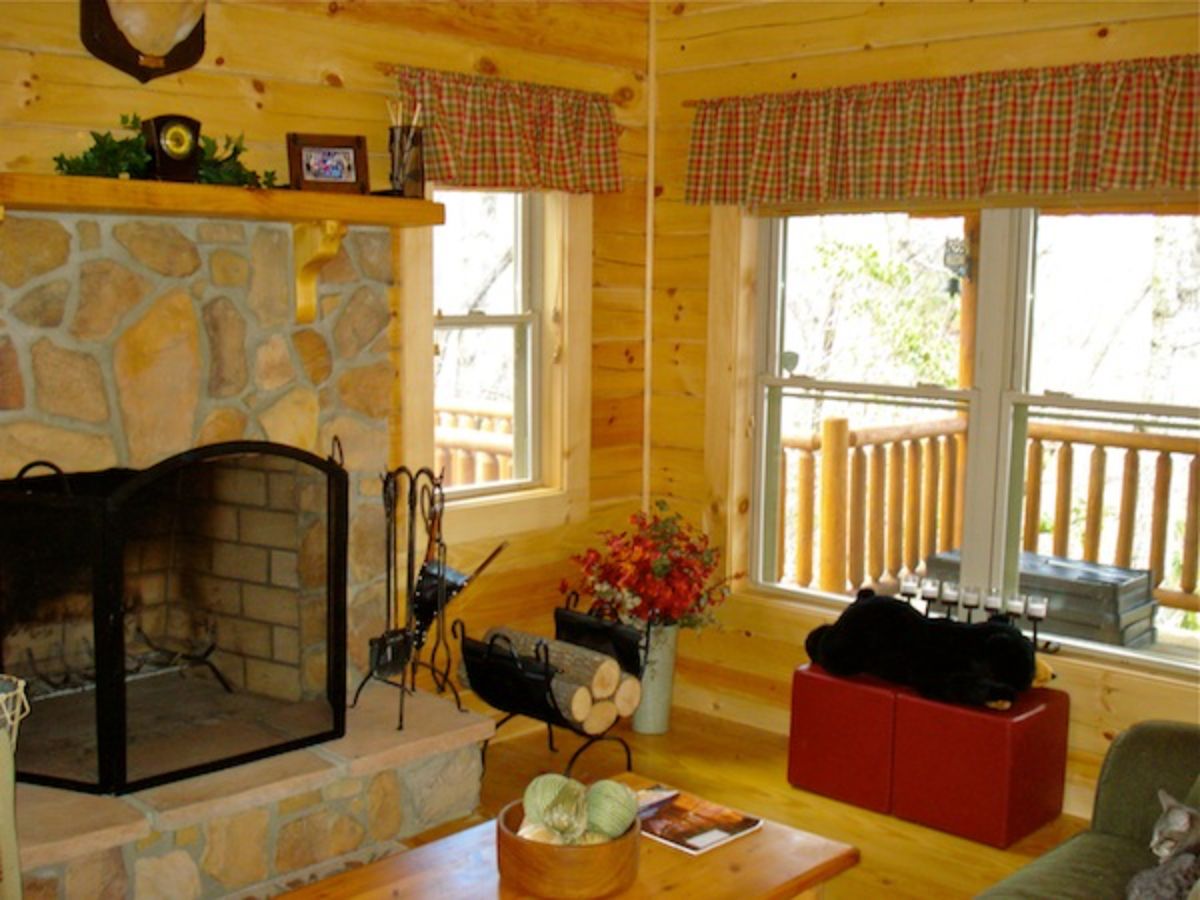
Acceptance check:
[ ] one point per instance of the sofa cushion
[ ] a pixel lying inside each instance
(1089, 866)
(1149, 756)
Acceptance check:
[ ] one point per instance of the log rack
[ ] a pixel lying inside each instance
(522, 684)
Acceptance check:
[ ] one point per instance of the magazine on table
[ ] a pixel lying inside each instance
(690, 823)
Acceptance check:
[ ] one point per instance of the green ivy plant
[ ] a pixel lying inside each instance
(224, 166)
(111, 157)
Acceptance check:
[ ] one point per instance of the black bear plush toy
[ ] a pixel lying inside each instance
(981, 663)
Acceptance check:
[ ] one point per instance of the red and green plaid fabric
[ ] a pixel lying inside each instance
(1131, 125)
(488, 133)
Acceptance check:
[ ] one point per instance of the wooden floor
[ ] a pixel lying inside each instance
(746, 768)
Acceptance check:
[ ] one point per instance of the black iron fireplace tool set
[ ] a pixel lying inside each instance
(395, 655)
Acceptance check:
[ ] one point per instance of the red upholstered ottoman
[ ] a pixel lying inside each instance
(990, 776)
(841, 737)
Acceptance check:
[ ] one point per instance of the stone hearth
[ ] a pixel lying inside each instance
(258, 829)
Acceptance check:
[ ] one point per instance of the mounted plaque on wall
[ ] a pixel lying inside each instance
(145, 40)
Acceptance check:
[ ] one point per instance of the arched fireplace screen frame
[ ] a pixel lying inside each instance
(103, 500)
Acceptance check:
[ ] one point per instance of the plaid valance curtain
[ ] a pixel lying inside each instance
(1122, 126)
(488, 133)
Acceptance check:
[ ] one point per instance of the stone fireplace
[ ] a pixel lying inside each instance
(128, 341)
(125, 341)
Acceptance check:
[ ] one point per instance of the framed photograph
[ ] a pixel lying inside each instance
(328, 162)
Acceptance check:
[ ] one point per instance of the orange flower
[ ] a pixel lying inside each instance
(659, 572)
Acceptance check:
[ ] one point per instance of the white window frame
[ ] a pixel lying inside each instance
(559, 492)
(744, 277)
(528, 368)
(769, 345)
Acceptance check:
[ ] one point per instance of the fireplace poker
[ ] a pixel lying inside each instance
(437, 585)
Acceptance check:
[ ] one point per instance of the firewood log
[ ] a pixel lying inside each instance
(599, 672)
(628, 695)
(574, 700)
(601, 718)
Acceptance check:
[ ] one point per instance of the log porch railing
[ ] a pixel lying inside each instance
(891, 496)
(473, 445)
(1170, 590)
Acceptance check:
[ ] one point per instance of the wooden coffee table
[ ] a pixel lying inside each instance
(773, 861)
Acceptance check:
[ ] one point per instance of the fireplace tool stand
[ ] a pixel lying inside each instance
(395, 655)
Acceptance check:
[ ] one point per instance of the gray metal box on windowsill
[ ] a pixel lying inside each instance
(1086, 600)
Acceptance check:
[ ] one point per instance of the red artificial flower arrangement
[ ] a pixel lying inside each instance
(658, 573)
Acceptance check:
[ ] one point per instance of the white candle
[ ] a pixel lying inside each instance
(950, 592)
(992, 602)
(1015, 605)
(1038, 606)
(929, 589)
(908, 586)
(970, 597)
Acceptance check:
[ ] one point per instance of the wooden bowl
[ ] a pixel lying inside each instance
(563, 872)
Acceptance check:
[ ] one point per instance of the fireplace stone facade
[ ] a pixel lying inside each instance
(125, 340)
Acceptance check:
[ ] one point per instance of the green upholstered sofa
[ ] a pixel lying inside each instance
(1098, 863)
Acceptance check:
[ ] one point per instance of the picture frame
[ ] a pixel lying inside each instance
(328, 162)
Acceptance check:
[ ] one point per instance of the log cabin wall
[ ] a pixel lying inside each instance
(271, 68)
(711, 50)
(315, 67)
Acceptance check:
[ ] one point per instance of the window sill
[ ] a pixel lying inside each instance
(501, 515)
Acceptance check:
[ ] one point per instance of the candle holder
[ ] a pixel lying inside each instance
(970, 601)
(929, 593)
(950, 597)
(1015, 606)
(993, 603)
(1036, 609)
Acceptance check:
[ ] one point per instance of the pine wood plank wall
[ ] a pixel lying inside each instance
(720, 49)
(306, 66)
(271, 68)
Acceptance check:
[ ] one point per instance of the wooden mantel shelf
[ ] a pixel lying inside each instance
(63, 193)
(318, 219)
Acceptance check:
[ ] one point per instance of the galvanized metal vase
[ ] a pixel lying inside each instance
(653, 715)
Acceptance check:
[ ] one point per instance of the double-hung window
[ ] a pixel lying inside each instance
(970, 396)
(510, 361)
(487, 300)
(861, 455)
(1104, 468)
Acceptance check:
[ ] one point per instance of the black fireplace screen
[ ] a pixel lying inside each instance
(174, 620)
